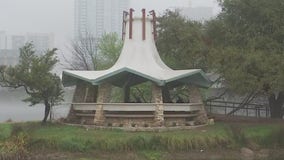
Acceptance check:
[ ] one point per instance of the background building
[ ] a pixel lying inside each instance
(41, 41)
(98, 16)
(10, 44)
(197, 13)
(3, 40)
(18, 41)
(9, 57)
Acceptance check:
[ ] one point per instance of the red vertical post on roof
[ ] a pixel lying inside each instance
(143, 24)
(130, 22)
(154, 24)
(124, 23)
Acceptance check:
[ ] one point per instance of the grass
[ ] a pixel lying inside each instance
(5, 131)
(150, 145)
(70, 138)
(265, 135)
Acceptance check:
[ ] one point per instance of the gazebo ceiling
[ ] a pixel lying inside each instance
(139, 61)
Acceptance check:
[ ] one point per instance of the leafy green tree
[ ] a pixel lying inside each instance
(109, 47)
(247, 48)
(181, 42)
(33, 73)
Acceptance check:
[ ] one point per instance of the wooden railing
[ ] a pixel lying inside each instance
(249, 110)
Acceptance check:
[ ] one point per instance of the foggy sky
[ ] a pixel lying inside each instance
(56, 16)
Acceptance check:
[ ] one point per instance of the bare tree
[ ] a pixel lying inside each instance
(91, 53)
(84, 53)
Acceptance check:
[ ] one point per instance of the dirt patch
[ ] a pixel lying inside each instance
(263, 154)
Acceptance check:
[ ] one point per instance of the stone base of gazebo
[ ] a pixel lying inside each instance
(156, 114)
(138, 114)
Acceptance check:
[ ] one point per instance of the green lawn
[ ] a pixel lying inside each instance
(5, 131)
(35, 137)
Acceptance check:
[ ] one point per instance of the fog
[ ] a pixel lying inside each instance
(56, 16)
(13, 108)
(18, 17)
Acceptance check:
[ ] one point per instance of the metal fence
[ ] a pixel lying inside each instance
(249, 110)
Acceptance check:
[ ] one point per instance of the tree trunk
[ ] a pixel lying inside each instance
(275, 105)
(46, 111)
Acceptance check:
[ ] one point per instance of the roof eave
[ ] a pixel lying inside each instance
(126, 69)
(67, 74)
(207, 83)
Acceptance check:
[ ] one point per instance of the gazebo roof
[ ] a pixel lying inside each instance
(139, 61)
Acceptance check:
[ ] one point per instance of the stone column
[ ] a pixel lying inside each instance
(157, 98)
(78, 97)
(103, 97)
(195, 97)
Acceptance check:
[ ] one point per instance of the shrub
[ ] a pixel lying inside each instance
(15, 148)
(74, 144)
(275, 138)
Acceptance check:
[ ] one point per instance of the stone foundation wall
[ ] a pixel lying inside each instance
(129, 122)
(172, 122)
(146, 122)
(86, 120)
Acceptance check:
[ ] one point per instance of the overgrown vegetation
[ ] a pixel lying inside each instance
(5, 131)
(69, 138)
(17, 140)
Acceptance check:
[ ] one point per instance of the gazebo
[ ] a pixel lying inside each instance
(139, 62)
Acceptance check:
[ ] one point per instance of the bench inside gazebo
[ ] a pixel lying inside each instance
(139, 62)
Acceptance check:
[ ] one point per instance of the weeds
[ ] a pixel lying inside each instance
(15, 148)
(19, 138)
(274, 138)
(238, 135)
(5, 131)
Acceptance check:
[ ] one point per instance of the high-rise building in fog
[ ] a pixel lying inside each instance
(3, 40)
(41, 41)
(18, 41)
(197, 13)
(98, 16)
(9, 57)
(10, 44)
